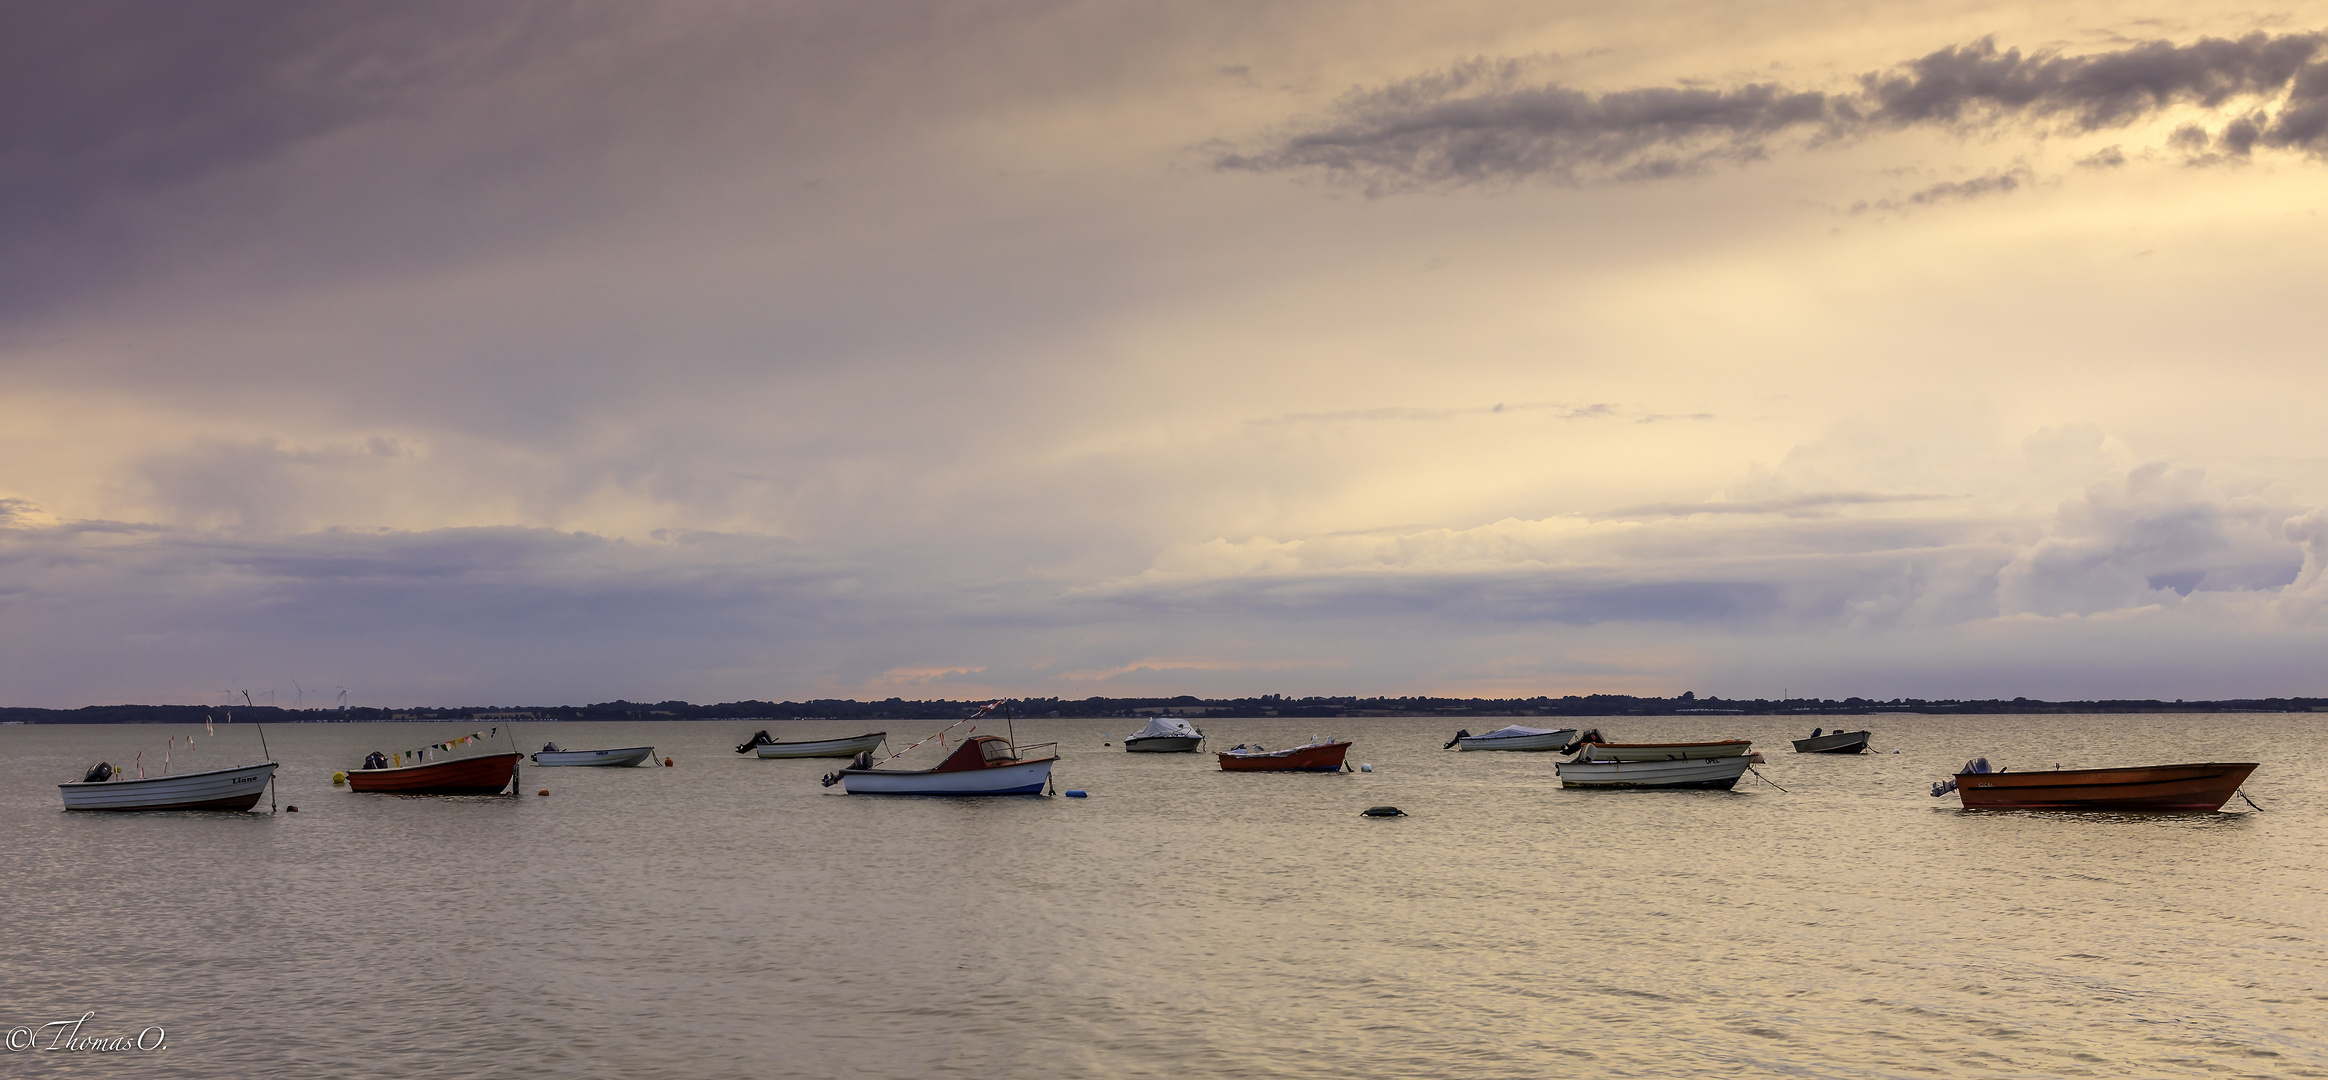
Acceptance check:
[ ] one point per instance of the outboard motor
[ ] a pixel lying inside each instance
(863, 760)
(1460, 735)
(549, 748)
(100, 774)
(760, 739)
(375, 760)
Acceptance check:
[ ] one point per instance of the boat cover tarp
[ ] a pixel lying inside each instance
(1515, 732)
(1168, 726)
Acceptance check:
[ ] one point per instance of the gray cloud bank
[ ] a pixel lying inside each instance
(1484, 123)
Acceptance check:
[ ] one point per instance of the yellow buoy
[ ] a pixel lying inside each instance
(339, 779)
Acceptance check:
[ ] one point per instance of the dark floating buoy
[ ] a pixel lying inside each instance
(543, 791)
(290, 809)
(1382, 811)
(1078, 794)
(666, 763)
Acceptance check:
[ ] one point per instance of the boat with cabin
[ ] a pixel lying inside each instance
(1514, 737)
(982, 765)
(1316, 755)
(1165, 735)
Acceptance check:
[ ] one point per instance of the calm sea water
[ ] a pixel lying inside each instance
(729, 917)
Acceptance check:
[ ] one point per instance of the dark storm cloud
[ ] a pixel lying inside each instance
(1483, 123)
(105, 105)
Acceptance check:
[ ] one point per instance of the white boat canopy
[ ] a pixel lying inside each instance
(1168, 727)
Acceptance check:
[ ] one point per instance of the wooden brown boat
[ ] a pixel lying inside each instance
(1313, 757)
(485, 775)
(2203, 786)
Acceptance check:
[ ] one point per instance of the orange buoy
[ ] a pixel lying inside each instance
(290, 809)
(543, 791)
(666, 763)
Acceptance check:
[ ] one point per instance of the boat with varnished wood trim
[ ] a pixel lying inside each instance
(2203, 786)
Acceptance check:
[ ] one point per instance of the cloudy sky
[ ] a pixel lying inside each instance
(556, 352)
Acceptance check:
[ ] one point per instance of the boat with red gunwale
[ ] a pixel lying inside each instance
(1324, 755)
(2200, 786)
(486, 774)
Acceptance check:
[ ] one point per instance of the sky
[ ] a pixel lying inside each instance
(558, 352)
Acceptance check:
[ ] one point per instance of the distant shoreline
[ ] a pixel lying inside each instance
(1256, 707)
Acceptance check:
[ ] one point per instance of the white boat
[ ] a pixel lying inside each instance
(1165, 735)
(1716, 772)
(628, 755)
(238, 788)
(985, 765)
(1516, 738)
(849, 747)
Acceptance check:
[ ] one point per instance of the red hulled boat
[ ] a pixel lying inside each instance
(2205, 786)
(1324, 756)
(486, 775)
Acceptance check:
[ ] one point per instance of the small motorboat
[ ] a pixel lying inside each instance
(1594, 750)
(849, 747)
(628, 755)
(1514, 738)
(983, 765)
(238, 788)
(1833, 742)
(1317, 755)
(1165, 735)
(2203, 786)
(487, 774)
(1718, 773)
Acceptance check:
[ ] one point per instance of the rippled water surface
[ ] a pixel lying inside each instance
(729, 917)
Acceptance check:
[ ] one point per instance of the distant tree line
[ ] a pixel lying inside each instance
(1265, 705)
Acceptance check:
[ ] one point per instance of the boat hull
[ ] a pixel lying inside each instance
(218, 789)
(818, 748)
(1719, 773)
(2194, 787)
(486, 775)
(1841, 742)
(1018, 778)
(1680, 751)
(1322, 758)
(629, 755)
(1550, 740)
(1164, 744)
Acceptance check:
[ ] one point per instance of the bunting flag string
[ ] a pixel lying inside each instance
(941, 735)
(447, 746)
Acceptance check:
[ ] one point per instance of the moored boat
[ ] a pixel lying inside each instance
(487, 774)
(2203, 786)
(1833, 742)
(1595, 750)
(628, 755)
(1720, 773)
(1165, 735)
(983, 765)
(237, 788)
(1318, 755)
(816, 748)
(1515, 737)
